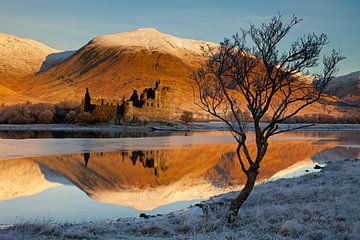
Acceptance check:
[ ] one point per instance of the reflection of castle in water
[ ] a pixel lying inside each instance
(153, 159)
(86, 158)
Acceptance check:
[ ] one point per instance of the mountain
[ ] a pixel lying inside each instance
(20, 60)
(112, 66)
(347, 88)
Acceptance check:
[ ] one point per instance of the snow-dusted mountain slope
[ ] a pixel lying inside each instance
(21, 57)
(153, 40)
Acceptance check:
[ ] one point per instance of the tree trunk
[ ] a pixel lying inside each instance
(241, 198)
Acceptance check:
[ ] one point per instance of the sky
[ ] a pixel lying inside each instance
(70, 24)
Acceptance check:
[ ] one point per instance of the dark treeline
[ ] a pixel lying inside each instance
(44, 113)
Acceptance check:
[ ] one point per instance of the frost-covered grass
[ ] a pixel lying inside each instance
(322, 205)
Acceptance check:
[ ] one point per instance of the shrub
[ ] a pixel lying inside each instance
(20, 119)
(45, 117)
(63, 108)
(71, 117)
(85, 118)
(187, 117)
(27, 113)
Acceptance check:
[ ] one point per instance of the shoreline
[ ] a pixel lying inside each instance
(320, 205)
(173, 127)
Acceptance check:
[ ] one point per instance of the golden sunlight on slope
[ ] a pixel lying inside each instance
(21, 58)
(9, 96)
(112, 66)
(117, 76)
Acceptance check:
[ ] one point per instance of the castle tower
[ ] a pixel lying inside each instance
(87, 101)
(157, 95)
(128, 111)
(157, 84)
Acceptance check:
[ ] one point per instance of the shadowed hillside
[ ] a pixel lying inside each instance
(347, 87)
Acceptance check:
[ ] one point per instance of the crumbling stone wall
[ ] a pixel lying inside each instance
(153, 104)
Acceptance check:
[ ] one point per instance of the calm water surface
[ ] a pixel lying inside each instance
(79, 176)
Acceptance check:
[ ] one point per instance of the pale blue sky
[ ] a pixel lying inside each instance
(69, 24)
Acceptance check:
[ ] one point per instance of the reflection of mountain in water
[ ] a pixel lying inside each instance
(22, 177)
(337, 153)
(147, 179)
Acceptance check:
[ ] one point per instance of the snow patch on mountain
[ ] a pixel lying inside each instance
(153, 40)
(21, 57)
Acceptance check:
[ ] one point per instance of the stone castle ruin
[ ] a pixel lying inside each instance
(153, 104)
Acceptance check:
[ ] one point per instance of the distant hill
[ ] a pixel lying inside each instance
(20, 60)
(347, 88)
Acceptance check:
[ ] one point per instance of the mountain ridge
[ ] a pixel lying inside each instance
(153, 40)
(113, 65)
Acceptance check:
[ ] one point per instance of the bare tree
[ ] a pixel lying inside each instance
(258, 77)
